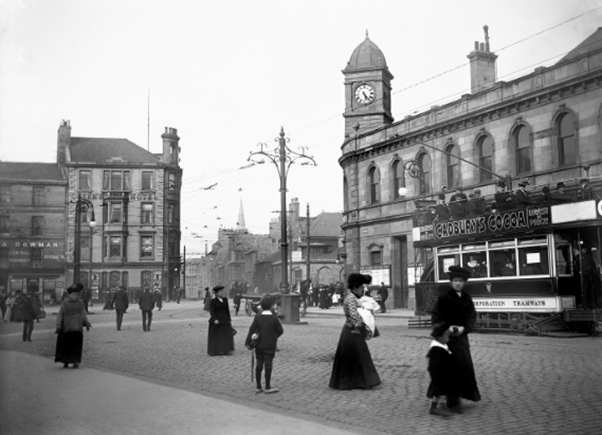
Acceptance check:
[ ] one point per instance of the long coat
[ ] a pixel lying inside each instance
(452, 309)
(220, 339)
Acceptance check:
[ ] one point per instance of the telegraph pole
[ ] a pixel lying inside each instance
(308, 265)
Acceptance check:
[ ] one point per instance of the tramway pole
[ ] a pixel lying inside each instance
(283, 157)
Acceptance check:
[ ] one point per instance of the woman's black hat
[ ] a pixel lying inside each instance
(458, 272)
(218, 288)
(438, 330)
(357, 280)
(75, 288)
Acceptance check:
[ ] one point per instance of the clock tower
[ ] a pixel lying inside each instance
(367, 89)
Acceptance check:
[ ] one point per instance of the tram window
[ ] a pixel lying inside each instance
(533, 261)
(533, 241)
(503, 262)
(444, 262)
(448, 249)
(503, 244)
(476, 262)
(563, 260)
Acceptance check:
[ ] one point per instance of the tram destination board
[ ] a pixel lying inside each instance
(490, 224)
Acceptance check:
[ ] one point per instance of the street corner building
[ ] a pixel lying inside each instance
(32, 228)
(105, 214)
(544, 126)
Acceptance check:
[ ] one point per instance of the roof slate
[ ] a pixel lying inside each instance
(28, 171)
(592, 43)
(326, 224)
(109, 150)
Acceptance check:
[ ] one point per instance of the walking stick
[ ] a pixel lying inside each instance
(252, 363)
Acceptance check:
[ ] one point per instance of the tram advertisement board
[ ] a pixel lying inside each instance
(494, 223)
(379, 274)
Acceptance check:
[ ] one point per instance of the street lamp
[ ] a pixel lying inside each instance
(283, 157)
(82, 205)
(92, 225)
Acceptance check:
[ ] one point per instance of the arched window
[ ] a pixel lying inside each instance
(522, 144)
(374, 180)
(397, 178)
(485, 150)
(567, 140)
(345, 194)
(424, 161)
(453, 166)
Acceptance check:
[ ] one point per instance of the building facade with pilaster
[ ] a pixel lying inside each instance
(544, 126)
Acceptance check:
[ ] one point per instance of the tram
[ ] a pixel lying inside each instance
(534, 268)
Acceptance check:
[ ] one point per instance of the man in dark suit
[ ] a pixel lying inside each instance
(146, 304)
(523, 199)
(86, 296)
(503, 199)
(121, 303)
(383, 292)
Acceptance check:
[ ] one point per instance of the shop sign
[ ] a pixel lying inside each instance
(495, 223)
(532, 304)
(132, 196)
(28, 244)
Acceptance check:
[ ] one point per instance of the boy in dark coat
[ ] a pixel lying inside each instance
(28, 315)
(439, 367)
(267, 325)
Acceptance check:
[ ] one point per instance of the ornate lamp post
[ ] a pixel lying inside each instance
(82, 205)
(283, 157)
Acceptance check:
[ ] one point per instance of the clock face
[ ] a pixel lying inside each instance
(364, 94)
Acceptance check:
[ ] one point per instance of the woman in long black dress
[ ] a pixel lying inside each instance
(70, 324)
(221, 338)
(456, 309)
(353, 366)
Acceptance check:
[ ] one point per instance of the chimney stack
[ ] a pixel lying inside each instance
(483, 70)
(171, 149)
(63, 142)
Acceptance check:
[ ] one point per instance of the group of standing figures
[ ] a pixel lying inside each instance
(450, 362)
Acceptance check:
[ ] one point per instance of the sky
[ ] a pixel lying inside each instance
(230, 75)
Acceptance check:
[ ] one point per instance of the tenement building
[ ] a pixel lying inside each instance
(135, 198)
(544, 127)
(32, 228)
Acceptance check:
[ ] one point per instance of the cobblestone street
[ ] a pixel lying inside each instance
(535, 385)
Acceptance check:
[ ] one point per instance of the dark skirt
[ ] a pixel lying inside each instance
(464, 382)
(69, 347)
(220, 340)
(353, 366)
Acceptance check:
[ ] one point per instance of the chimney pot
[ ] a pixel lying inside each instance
(476, 45)
(482, 46)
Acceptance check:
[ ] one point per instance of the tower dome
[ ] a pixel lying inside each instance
(367, 55)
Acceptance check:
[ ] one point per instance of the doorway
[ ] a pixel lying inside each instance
(400, 272)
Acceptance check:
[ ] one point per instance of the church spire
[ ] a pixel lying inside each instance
(240, 224)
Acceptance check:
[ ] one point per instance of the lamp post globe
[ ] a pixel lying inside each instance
(92, 224)
(403, 191)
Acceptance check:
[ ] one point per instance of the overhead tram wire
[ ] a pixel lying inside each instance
(427, 105)
(462, 65)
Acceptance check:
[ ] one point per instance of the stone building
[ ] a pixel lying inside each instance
(32, 228)
(544, 126)
(136, 202)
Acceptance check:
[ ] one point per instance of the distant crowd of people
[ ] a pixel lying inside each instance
(461, 206)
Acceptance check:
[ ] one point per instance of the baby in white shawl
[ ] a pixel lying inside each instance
(368, 307)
